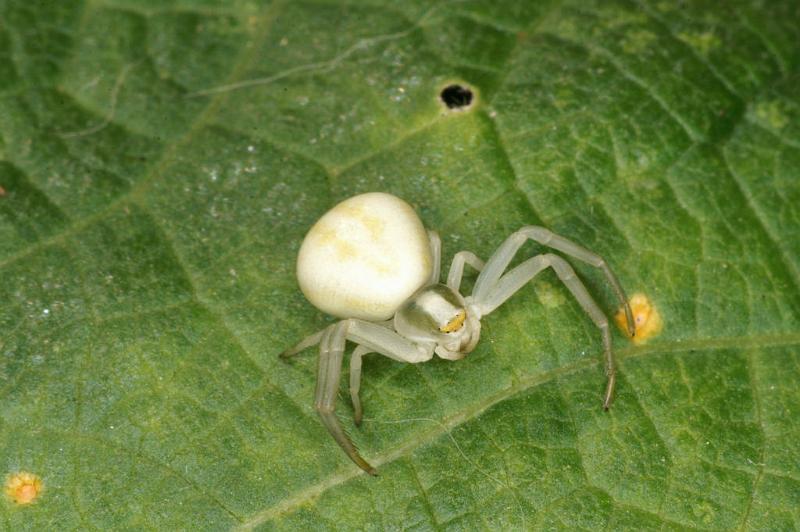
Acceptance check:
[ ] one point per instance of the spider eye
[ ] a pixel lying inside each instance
(454, 324)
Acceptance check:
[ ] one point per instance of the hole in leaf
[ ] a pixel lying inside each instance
(456, 96)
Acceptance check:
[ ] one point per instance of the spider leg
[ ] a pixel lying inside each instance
(379, 339)
(436, 253)
(457, 268)
(370, 337)
(375, 338)
(305, 343)
(516, 278)
(355, 381)
(328, 374)
(498, 263)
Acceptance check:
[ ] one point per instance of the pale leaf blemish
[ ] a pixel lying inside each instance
(646, 318)
(637, 41)
(771, 114)
(704, 512)
(549, 295)
(23, 487)
(704, 43)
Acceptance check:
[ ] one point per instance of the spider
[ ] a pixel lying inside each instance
(370, 261)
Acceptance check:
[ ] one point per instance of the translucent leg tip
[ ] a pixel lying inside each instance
(609, 396)
(363, 464)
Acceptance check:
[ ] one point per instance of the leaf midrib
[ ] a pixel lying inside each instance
(474, 410)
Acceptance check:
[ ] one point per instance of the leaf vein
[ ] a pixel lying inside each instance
(792, 267)
(473, 411)
(751, 372)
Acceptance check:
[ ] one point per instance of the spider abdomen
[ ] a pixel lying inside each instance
(365, 257)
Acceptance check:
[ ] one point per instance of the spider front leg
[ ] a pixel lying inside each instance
(515, 279)
(493, 286)
(498, 263)
(457, 268)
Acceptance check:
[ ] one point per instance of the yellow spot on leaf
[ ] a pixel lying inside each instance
(23, 487)
(549, 295)
(704, 42)
(454, 324)
(646, 319)
(637, 41)
(772, 114)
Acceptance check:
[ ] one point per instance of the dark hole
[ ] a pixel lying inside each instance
(456, 96)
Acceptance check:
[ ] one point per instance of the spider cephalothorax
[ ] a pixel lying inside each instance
(437, 316)
(370, 261)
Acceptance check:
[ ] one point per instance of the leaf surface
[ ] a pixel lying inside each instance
(161, 161)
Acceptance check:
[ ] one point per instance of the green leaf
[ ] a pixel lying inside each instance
(160, 162)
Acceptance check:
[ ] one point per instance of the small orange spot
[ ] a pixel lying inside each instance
(646, 319)
(2, 192)
(23, 487)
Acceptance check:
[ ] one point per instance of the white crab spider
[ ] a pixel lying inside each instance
(370, 261)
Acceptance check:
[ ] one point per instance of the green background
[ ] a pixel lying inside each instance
(162, 160)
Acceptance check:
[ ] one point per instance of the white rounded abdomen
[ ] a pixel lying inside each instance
(365, 257)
